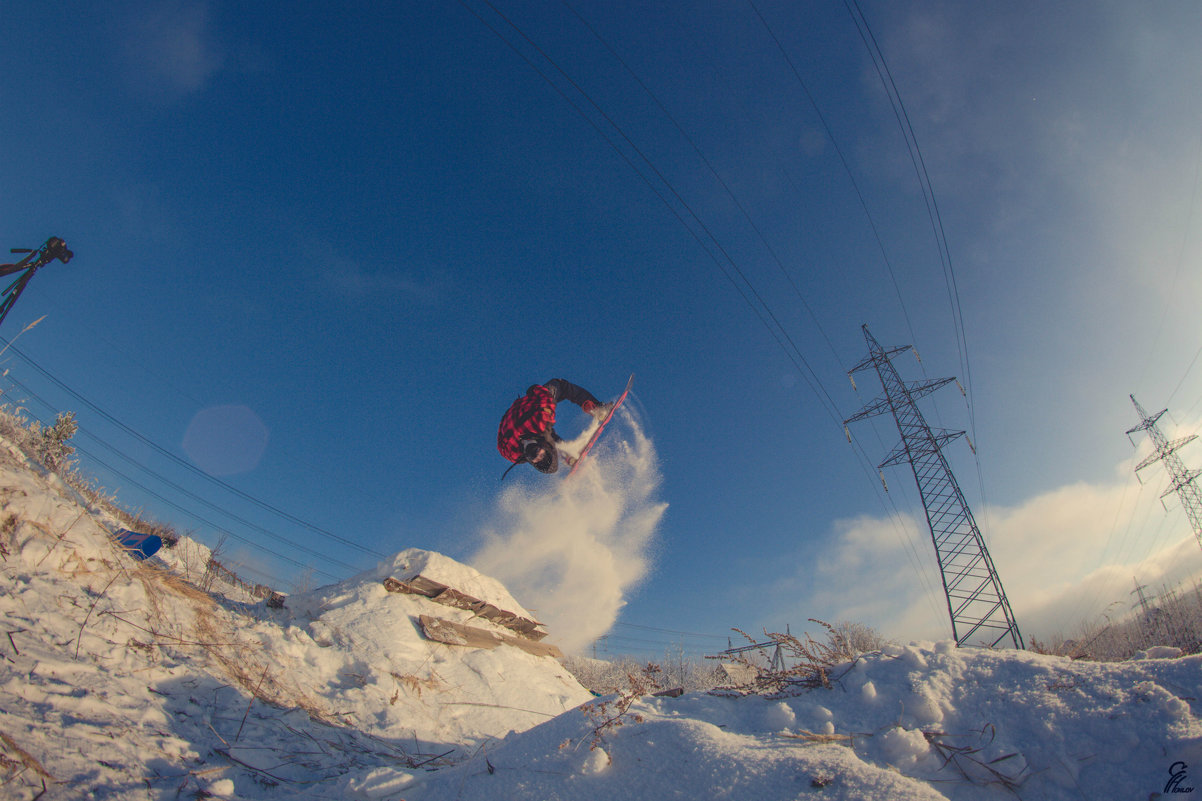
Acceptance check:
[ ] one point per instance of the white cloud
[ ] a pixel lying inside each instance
(1065, 557)
(171, 50)
(348, 276)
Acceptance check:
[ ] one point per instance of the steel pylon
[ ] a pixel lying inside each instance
(1182, 478)
(980, 612)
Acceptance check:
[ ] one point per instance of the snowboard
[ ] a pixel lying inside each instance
(588, 446)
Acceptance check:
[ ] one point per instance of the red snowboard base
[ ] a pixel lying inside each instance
(600, 427)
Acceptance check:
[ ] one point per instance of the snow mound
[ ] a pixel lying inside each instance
(439, 693)
(1159, 652)
(409, 564)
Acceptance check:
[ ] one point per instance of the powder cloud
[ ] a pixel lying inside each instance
(572, 550)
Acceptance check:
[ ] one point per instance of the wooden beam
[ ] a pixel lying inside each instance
(451, 633)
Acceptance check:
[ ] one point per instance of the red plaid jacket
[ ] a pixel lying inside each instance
(534, 414)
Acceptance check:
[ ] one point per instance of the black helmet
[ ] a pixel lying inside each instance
(549, 462)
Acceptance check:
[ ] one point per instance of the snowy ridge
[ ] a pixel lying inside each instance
(923, 721)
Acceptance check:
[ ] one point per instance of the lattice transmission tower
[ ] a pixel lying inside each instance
(1182, 478)
(976, 601)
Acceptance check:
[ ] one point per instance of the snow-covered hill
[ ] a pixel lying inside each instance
(119, 675)
(118, 679)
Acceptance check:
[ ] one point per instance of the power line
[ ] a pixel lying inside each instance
(893, 93)
(759, 306)
(1193, 200)
(671, 631)
(843, 160)
(215, 526)
(214, 507)
(184, 464)
(924, 179)
(709, 166)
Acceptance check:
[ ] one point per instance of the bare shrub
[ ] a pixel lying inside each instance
(861, 639)
(214, 569)
(304, 581)
(604, 676)
(1173, 618)
(846, 641)
(51, 442)
(49, 445)
(813, 661)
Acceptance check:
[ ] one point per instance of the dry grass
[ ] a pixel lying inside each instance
(820, 739)
(807, 663)
(1172, 618)
(17, 756)
(171, 615)
(968, 761)
(416, 684)
(15, 762)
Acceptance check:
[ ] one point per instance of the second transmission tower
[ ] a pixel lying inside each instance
(977, 603)
(1183, 478)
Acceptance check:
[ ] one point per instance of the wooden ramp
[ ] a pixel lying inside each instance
(451, 633)
(437, 591)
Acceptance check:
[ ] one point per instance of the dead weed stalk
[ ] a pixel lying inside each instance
(971, 765)
(609, 714)
(15, 761)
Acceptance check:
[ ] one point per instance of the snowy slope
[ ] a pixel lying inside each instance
(139, 677)
(119, 680)
(922, 721)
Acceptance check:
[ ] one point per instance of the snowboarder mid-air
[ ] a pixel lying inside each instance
(527, 432)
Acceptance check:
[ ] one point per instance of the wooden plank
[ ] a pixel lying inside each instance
(418, 585)
(451, 633)
(448, 596)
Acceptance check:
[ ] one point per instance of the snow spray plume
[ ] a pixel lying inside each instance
(570, 549)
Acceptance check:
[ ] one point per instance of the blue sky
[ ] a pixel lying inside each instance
(319, 251)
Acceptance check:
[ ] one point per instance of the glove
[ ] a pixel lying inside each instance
(597, 410)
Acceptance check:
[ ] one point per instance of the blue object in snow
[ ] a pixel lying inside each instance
(137, 544)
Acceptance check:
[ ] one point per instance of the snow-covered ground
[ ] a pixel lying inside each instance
(120, 680)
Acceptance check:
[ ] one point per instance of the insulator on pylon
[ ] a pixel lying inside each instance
(916, 356)
(883, 484)
(971, 447)
(847, 433)
(852, 379)
(961, 386)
